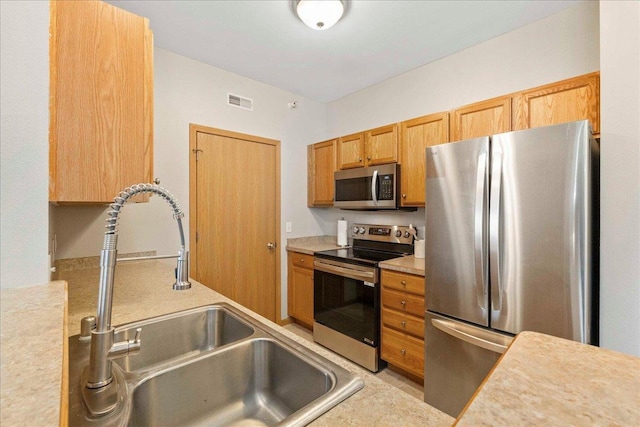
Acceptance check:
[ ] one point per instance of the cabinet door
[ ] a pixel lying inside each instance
(321, 161)
(381, 145)
(403, 351)
(351, 151)
(415, 136)
(100, 101)
(301, 295)
(481, 119)
(565, 101)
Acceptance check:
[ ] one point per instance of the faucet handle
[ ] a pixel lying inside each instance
(124, 348)
(136, 338)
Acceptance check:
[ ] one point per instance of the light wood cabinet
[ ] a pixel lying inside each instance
(300, 288)
(373, 147)
(415, 136)
(321, 162)
(101, 101)
(351, 151)
(381, 145)
(402, 321)
(568, 100)
(481, 119)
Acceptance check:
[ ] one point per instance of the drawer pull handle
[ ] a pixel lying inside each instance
(404, 324)
(403, 351)
(404, 303)
(404, 283)
(301, 260)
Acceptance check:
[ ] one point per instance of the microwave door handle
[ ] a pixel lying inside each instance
(374, 187)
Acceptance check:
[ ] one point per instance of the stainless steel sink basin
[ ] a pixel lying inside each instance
(213, 365)
(181, 335)
(259, 382)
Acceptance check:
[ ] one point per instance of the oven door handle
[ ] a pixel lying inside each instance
(365, 276)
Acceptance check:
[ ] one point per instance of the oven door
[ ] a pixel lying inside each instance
(347, 300)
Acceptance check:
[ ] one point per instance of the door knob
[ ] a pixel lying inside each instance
(271, 245)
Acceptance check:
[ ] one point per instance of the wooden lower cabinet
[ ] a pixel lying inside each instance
(300, 288)
(404, 351)
(402, 321)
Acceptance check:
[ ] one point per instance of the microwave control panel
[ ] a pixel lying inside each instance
(386, 187)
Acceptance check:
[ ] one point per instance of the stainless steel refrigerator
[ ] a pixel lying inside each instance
(511, 246)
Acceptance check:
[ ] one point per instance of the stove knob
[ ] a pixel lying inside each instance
(355, 230)
(361, 230)
(398, 233)
(407, 234)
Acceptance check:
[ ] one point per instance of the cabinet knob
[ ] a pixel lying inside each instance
(404, 324)
(359, 159)
(404, 283)
(404, 196)
(301, 260)
(368, 157)
(403, 351)
(404, 303)
(271, 245)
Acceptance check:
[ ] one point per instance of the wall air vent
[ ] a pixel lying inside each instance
(240, 102)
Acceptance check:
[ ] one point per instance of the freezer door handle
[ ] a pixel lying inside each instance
(494, 229)
(480, 231)
(465, 334)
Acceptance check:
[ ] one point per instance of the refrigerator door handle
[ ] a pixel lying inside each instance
(480, 231)
(374, 187)
(457, 330)
(494, 229)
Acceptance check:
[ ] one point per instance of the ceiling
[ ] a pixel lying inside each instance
(376, 40)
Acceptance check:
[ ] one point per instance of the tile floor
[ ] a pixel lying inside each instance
(387, 375)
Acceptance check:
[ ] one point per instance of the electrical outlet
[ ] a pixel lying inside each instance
(288, 227)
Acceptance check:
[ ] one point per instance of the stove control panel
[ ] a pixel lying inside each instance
(384, 233)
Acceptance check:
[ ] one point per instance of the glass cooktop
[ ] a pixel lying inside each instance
(365, 256)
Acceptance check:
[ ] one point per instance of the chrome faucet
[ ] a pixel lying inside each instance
(101, 391)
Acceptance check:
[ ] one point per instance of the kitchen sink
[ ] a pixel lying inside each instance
(259, 382)
(212, 365)
(181, 335)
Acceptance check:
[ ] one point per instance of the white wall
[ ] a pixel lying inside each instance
(24, 138)
(561, 46)
(188, 91)
(620, 181)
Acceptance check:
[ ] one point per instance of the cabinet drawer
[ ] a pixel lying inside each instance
(301, 260)
(403, 302)
(403, 282)
(403, 322)
(403, 351)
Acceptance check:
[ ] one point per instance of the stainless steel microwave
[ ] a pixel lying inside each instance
(371, 188)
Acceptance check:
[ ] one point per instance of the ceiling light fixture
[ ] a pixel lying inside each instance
(320, 14)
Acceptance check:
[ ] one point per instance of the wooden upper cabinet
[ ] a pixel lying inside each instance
(415, 136)
(481, 119)
(101, 101)
(381, 145)
(568, 100)
(321, 161)
(373, 147)
(351, 151)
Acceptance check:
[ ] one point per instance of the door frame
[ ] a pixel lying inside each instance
(193, 212)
